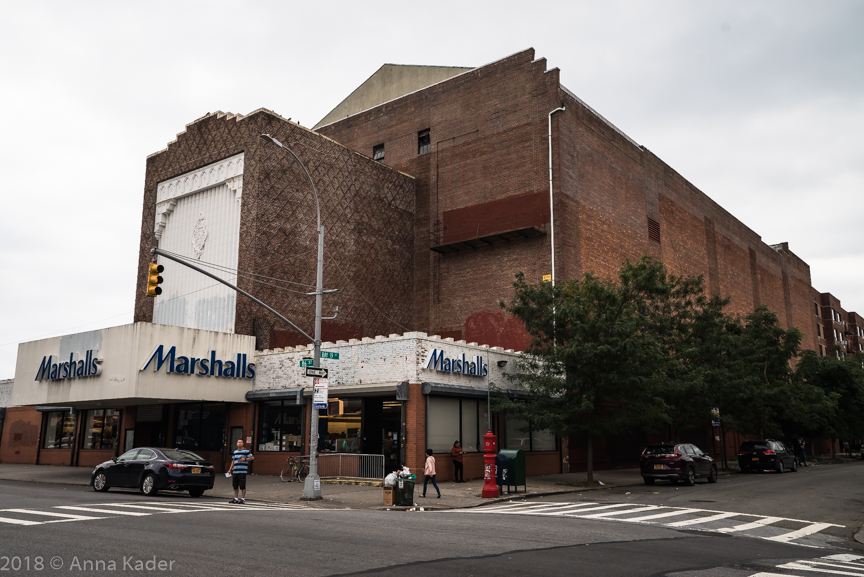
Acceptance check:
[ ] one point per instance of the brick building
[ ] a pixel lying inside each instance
(478, 144)
(437, 186)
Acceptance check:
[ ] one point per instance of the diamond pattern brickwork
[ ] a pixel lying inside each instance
(367, 210)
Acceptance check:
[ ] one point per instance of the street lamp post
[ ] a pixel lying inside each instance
(312, 488)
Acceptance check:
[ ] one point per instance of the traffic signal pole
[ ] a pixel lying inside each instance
(162, 253)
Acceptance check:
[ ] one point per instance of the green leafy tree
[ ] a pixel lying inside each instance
(830, 397)
(596, 364)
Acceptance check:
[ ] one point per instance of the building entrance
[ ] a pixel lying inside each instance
(369, 425)
(150, 425)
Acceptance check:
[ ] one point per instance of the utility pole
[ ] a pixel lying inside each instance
(312, 488)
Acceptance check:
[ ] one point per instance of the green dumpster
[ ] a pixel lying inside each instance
(516, 473)
(404, 492)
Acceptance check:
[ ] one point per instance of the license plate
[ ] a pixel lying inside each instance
(658, 466)
(755, 458)
(196, 470)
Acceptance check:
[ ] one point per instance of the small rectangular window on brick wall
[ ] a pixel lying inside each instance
(424, 142)
(653, 230)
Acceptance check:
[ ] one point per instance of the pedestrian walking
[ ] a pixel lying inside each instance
(238, 469)
(459, 471)
(429, 473)
(802, 453)
(846, 448)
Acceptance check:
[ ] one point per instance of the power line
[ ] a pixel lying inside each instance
(246, 274)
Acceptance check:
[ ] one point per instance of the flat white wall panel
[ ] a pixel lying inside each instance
(202, 224)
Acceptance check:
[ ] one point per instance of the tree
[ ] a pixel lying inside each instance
(830, 400)
(596, 364)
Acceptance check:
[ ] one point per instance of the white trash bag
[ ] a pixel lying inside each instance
(390, 480)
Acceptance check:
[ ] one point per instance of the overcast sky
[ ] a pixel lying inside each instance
(760, 104)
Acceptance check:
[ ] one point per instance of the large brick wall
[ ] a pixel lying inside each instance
(488, 132)
(367, 211)
(20, 440)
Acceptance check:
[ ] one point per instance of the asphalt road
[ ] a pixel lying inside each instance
(82, 532)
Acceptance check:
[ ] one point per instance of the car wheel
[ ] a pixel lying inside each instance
(648, 480)
(100, 482)
(780, 468)
(690, 479)
(196, 492)
(794, 466)
(148, 485)
(712, 474)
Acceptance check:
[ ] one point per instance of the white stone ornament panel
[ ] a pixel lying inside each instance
(198, 216)
(228, 171)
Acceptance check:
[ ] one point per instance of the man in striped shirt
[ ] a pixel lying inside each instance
(239, 467)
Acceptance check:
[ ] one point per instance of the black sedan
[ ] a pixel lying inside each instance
(153, 470)
(767, 455)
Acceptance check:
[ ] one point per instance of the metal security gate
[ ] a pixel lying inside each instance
(351, 466)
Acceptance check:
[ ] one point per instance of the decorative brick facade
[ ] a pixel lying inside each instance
(366, 209)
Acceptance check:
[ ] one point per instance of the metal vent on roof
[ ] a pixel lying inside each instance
(653, 230)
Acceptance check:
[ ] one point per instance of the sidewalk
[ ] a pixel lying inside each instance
(272, 489)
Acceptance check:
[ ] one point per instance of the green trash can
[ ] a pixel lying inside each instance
(516, 473)
(404, 492)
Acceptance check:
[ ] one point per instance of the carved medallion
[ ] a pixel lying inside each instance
(199, 236)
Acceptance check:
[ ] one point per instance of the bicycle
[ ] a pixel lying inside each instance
(296, 469)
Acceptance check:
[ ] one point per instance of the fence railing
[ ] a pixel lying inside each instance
(350, 466)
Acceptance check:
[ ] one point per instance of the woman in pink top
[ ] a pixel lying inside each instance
(429, 473)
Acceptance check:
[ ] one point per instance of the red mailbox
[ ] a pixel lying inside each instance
(490, 447)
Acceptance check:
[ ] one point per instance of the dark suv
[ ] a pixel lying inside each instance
(767, 455)
(676, 462)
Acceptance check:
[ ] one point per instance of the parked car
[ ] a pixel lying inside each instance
(153, 470)
(767, 455)
(676, 462)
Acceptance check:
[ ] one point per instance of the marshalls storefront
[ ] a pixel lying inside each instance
(80, 399)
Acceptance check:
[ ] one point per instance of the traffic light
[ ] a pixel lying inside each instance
(153, 280)
(335, 409)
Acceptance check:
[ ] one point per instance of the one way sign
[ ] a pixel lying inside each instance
(318, 373)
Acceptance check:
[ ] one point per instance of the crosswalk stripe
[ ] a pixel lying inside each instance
(800, 566)
(701, 520)
(563, 510)
(522, 510)
(103, 511)
(150, 508)
(753, 525)
(19, 521)
(663, 515)
(53, 514)
(808, 530)
(627, 512)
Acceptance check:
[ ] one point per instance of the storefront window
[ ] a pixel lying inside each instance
(519, 435)
(200, 426)
(442, 421)
(341, 434)
(102, 429)
(542, 441)
(470, 439)
(59, 430)
(281, 427)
